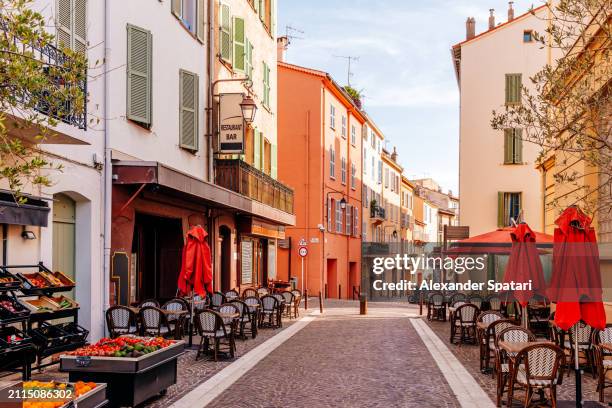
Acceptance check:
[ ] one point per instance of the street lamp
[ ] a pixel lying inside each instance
(343, 203)
(249, 108)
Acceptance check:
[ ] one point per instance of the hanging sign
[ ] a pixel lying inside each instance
(231, 124)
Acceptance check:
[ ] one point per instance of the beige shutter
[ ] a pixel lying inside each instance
(176, 8)
(201, 23)
(500, 210)
(188, 131)
(64, 22)
(139, 74)
(225, 37)
(239, 44)
(508, 146)
(80, 26)
(518, 145)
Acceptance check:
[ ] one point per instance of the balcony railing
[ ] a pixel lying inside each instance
(51, 56)
(244, 179)
(377, 212)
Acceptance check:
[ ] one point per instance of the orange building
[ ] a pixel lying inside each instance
(319, 156)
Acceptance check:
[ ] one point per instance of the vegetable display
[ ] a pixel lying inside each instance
(7, 280)
(123, 347)
(8, 305)
(38, 282)
(52, 394)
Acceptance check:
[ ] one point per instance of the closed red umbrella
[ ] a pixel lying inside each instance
(196, 268)
(576, 280)
(524, 266)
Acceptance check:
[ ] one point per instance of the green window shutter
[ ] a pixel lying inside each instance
(518, 145)
(508, 146)
(239, 44)
(513, 88)
(201, 23)
(64, 22)
(273, 161)
(139, 64)
(176, 8)
(249, 60)
(226, 33)
(262, 10)
(257, 149)
(79, 31)
(188, 128)
(500, 209)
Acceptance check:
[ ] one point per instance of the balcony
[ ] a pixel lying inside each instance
(51, 60)
(377, 213)
(244, 179)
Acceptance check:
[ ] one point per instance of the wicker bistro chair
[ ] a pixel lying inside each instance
(254, 305)
(216, 300)
(483, 339)
(297, 301)
(210, 327)
(289, 310)
(262, 292)
(537, 367)
(121, 320)
(465, 324)
(602, 359)
(282, 305)
(296, 292)
(246, 321)
(231, 323)
(495, 303)
(584, 334)
(502, 363)
(270, 311)
(153, 322)
(231, 294)
(249, 292)
(177, 322)
(457, 297)
(492, 332)
(148, 302)
(476, 300)
(436, 308)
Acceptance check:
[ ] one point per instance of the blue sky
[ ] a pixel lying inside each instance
(404, 66)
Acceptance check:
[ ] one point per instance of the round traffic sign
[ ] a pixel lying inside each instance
(303, 251)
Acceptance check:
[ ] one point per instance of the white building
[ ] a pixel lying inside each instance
(497, 177)
(372, 179)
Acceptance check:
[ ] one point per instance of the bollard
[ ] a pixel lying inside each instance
(363, 305)
(420, 303)
(320, 302)
(339, 291)
(326, 291)
(305, 299)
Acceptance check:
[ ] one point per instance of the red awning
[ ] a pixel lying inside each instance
(498, 241)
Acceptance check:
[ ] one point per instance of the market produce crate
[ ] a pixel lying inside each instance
(96, 398)
(75, 332)
(49, 336)
(39, 280)
(12, 310)
(41, 305)
(63, 302)
(15, 338)
(8, 281)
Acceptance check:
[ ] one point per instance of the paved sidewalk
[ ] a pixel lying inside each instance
(342, 359)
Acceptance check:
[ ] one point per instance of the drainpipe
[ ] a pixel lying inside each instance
(211, 74)
(108, 165)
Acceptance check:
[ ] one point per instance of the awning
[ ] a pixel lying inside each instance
(143, 172)
(35, 211)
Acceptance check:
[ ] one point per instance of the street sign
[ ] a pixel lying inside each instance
(303, 251)
(303, 242)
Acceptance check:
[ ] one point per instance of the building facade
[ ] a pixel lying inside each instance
(391, 196)
(320, 148)
(498, 182)
(407, 210)
(374, 212)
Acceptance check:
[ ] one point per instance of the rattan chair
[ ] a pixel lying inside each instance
(464, 324)
(262, 292)
(153, 322)
(483, 339)
(210, 327)
(246, 321)
(537, 367)
(297, 301)
(603, 359)
(584, 334)
(148, 302)
(457, 297)
(436, 308)
(177, 322)
(492, 332)
(476, 300)
(495, 303)
(270, 312)
(254, 305)
(216, 300)
(502, 363)
(249, 292)
(121, 320)
(231, 294)
(289, 309)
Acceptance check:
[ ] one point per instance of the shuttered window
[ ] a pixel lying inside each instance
(332, 116)
(248, 63)
(257, 150)
(329, 214)
(509, 207)
(343, 128)
(139, 62)
(332, 163)
(343, 170)
(513, 146)
(513, 88)
(356, 222)
(71, 22)
(192, 16)
(274, 162)
(239, 45)
(266, 85)
(225, 36)
(338, 217)
(188, 130)
(349, 215)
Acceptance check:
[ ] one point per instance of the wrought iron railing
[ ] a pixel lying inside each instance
(51, 56)
(377, 211)
(244, 179)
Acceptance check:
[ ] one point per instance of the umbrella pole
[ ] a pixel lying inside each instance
(525, 318)
(577, 370)
(191, 321)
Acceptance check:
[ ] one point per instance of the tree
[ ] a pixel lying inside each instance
(38, 88)
(567, 109)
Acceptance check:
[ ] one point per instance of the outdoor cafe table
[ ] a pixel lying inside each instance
(180, 313)
(606, 346)
(514, 347)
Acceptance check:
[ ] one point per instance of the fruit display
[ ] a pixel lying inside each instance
(52, 279)
(53, 394)
(123, 347)
(10, 308)
(6, 279)
(38, 281)
(8, 305)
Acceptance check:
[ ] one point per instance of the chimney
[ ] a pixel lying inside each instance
(281, 47)
(470, 28)
(394, 154)
(510, 11)
(491, 19)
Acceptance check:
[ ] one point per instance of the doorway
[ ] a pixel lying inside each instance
(332, 278)
(157, 245)
(64, 235)
(354, 280)
(226, 258)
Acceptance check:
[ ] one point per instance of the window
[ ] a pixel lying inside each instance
(332, 162)
(332, 116)
(365, 160)
(380, 172)
(266, 85)
(343, 170)
(267, 156)
(225, 36)
(349, 215)
(239, 45)
(527, 36)
(353, 176)
(139, 63)
(513, 89)
(343, 127)
(386, 178)
(356, 222)
(338, 217)
(373, 168)
(189, 111)
(329, 214)
(365, 193)
(192, 15)
(364, 131)
(513, 146)
(71, 22)
(353, 135)
(373, 139)
(508, 208)
(364, 228)
(248, 60)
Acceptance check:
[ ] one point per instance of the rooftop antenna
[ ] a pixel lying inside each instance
(349, 59)
(290, 33)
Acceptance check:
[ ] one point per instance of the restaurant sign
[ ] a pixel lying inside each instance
(231, 124)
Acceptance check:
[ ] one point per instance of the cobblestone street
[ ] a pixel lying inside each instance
(342, 359)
